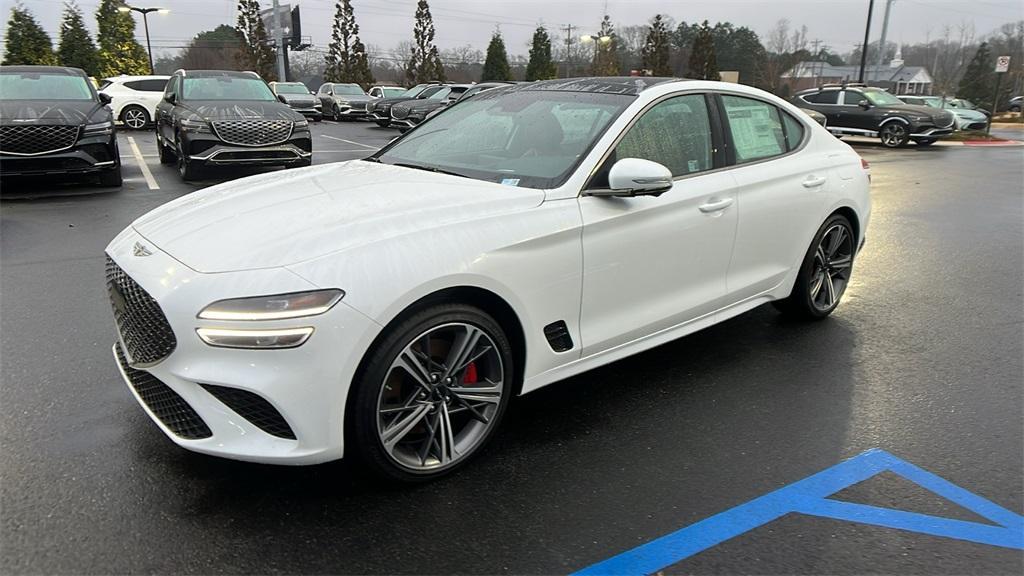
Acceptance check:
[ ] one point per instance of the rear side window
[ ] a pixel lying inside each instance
(756, 128)
(675, 133)
(794, 131)
(825, 97)
(155, 85)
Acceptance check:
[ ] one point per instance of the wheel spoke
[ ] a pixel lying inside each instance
(816, 285)
(461, 350)
(477, 415)
(830, 290)
(842, 263)
(446, 437)
(398, 430)
(410, 362)
(836, 241)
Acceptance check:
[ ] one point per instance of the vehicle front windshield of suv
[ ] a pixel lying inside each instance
(526, 138)
(293, 88)
(348, 90)
(932, 102)
(392, 92)
(881, 98)
(226, 88)
(16, 85)
(961, 103)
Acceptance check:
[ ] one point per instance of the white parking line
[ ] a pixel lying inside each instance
(349, 142)
(150, 181)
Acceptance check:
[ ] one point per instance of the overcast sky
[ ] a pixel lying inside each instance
(383, 23)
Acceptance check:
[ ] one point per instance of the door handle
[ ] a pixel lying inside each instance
(814, 181)
(715, 205)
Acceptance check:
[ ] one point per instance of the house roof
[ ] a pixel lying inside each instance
(871, 74)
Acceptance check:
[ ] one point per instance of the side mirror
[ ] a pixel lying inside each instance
(864, 104)
(105, 98)
(282, 99)
(170, 98)
(636, 177)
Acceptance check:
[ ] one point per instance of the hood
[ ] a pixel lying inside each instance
(21, 112)
(926, 111)
(286, 217)
(210, 110)
(425, 105)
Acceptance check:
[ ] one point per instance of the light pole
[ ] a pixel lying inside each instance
(145, 22)
(597, 39)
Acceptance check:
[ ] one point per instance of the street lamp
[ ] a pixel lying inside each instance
(597, 39)
(145, 22)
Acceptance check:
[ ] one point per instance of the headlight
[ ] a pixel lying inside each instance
(99, 129)
(285, 338)
(342, 102)
(301, 123)
(195, 125)
(279, 307)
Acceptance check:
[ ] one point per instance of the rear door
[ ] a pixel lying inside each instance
(825, 102)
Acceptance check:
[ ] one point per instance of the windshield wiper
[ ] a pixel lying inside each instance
(433, 169)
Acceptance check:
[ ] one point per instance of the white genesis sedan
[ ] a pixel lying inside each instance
(388, 308)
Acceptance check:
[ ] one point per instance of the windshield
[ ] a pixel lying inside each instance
(961, 103)
(291, 89)
(226, 88)
(532, 139)
(414, 91)
(43, 86)
(389, 92)
(347, 90)
(440, 94)
(933, 102)
(879, 98)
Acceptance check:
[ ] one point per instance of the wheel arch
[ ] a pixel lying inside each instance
(894, 118)
(851, 215)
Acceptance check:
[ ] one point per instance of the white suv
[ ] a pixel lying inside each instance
(134, 98)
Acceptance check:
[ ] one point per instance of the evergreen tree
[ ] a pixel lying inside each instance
(346, 56)
(496, 66)
(257, 53)
(541, 67)
(655, 52)
(119, 52)
(76, 46)
(703, 65)
(424, 63)
(978, 81)
(606, 52)
(27, 42)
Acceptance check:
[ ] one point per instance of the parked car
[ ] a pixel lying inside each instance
(53, 121)
(296, 95)
(226, 118)
(406, 115)
(133, 99)
(473, 89)
(389, 308)
(380, 110)
(866, 111)
(966, 118)
(343, 101)
(386, 91)
(1015, 104)
(964, 104)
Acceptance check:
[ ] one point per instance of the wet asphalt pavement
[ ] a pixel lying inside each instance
(922, 359)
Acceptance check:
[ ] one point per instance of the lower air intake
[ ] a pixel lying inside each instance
(253, 408)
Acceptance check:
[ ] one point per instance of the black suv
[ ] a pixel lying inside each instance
(223, 118)
(52, 121)
(380, 109)
(864, 111)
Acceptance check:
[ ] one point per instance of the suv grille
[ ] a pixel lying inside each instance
(143, 327)
(164, 403)
(37, 139)
(253, 408)
(253, 132)
(399, 111)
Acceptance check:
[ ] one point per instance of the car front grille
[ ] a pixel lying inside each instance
(35, 139)
(399, 112)
(361, 106)
(253, 408)
(144, 329)
(253, 132)
(170, 408)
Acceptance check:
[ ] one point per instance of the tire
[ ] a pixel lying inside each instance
(188, 169)
(111, 178)
(925, 141)
(167, 156)
(894, 135)
(810, 298)
(1014, 108)
(383, 123)
(412, 450)
(135, 117)
(336, 114)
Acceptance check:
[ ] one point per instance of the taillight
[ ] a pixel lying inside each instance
(864, 164)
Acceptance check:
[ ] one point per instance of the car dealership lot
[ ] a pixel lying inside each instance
(922, 359)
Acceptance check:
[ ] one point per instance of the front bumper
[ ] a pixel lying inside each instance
(313, 113)
(208, 149)
(307, 386)
(407, 122)
(87, 156)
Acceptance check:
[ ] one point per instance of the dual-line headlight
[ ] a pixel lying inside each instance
(263, 308)
(99, 129)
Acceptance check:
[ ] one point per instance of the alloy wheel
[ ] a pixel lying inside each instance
(894, 135)
(440, 397)
(135, 118)
(833, 261)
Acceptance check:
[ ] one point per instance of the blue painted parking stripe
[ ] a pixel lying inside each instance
(810, 496)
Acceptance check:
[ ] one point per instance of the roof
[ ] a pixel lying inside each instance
(51, 69)
(215, 73)
(626, 85)
(872, 73)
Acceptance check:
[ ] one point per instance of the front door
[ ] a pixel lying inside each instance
(651, 263)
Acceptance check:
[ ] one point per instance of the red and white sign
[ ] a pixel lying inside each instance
(1002, 64)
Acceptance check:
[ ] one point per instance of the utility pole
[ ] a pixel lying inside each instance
(817, 67)
(568, 49)
(864, 46)
(881, 42)
(279, 42)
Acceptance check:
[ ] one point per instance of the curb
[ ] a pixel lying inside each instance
(982, 143)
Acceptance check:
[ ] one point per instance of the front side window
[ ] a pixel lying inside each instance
(226, 88)
(526, 138)
(851, 98)
(675, 133)
(43, 86)
(756, 128)
(879, 98)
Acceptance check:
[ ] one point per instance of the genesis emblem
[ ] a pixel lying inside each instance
(140, 250)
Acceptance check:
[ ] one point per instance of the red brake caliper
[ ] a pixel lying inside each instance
(470, 376)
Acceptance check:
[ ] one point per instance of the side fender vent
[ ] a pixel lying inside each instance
(558, 336)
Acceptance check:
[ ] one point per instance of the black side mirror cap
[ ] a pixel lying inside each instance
(105, 98)
(282, 99)
(864, 104)
(170, 98)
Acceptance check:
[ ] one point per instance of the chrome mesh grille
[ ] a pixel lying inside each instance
(253, 132)
(144, 329)
(399, 111)
(37, 138)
